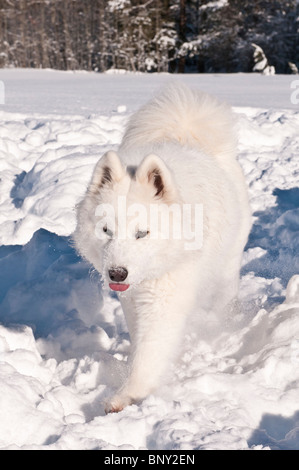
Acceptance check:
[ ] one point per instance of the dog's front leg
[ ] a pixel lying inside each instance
(159, 318)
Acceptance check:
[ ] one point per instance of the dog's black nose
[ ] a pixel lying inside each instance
(118, 274)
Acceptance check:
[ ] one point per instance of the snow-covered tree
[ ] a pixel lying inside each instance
(261, 64)
(149, 35)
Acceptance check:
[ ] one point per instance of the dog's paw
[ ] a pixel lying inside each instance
(117, 404)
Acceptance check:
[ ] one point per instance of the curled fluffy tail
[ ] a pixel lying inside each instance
(189, 117)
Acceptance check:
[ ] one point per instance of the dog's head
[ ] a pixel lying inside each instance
(129, 221)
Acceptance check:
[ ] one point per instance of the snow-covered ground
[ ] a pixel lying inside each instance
(63, 339)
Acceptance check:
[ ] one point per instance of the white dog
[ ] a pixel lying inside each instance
(165, 221)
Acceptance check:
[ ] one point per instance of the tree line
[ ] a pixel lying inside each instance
(149, 35)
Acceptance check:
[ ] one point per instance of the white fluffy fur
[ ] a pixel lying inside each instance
(188, 136)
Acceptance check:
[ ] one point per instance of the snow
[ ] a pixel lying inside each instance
(261, 62)
(63, 339)
(214, 5)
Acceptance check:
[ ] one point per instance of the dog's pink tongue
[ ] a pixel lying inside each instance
(119, 287)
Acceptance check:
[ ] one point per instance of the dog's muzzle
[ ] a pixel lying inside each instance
(117, 276)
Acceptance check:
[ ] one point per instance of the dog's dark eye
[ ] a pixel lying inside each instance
(141, 234)
(107, 231)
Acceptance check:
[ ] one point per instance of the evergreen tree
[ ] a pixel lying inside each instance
(149, 35)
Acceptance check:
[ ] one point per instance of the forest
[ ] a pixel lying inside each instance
(182, 36)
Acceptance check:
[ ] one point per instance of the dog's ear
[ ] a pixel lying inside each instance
(153, 171)
(108, 170)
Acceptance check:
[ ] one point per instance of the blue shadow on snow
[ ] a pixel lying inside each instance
(42, 284)
(277, 432)
(277, 231)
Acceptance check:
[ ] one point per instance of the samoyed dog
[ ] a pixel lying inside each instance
(165, 220)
